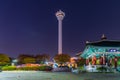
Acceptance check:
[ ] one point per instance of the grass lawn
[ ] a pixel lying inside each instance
(40, 75)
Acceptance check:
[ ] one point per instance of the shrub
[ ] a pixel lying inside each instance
(26, 68)
(102, 69)
(45, 68)
(48, 68)
(9, 68)
(36, 68)
(4, 63)
(81, 68)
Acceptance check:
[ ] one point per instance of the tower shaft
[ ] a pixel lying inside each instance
(59, 36)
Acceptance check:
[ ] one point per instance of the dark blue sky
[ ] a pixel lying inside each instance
(30, 26)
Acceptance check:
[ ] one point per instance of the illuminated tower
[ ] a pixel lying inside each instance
(60, 16)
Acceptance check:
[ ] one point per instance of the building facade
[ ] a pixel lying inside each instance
(102, 52)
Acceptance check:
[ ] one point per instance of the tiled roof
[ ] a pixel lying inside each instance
(105, 43)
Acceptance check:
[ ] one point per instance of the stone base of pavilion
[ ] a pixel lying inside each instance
(99, 68)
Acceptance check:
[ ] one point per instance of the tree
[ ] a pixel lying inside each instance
(41, 58)
(4, 59)
(38, 58)
(29, 60)
(62, 58)
(25, 58)
(81, 62)
(21, 58)
(45, 57)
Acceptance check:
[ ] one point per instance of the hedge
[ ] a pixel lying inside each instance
(35, 68)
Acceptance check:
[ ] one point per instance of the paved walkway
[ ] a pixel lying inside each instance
(39, 75)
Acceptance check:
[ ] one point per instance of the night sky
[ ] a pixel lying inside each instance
(30, 26)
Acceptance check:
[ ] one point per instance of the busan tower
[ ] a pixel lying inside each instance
(60, 16)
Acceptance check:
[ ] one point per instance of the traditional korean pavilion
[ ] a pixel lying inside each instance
(105, 49)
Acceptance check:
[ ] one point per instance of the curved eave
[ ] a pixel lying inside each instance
(105, 43)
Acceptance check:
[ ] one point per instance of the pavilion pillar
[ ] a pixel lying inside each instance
(115, 62)
(101, 60)
(94, 60)
(87, 61)
(110, 62)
